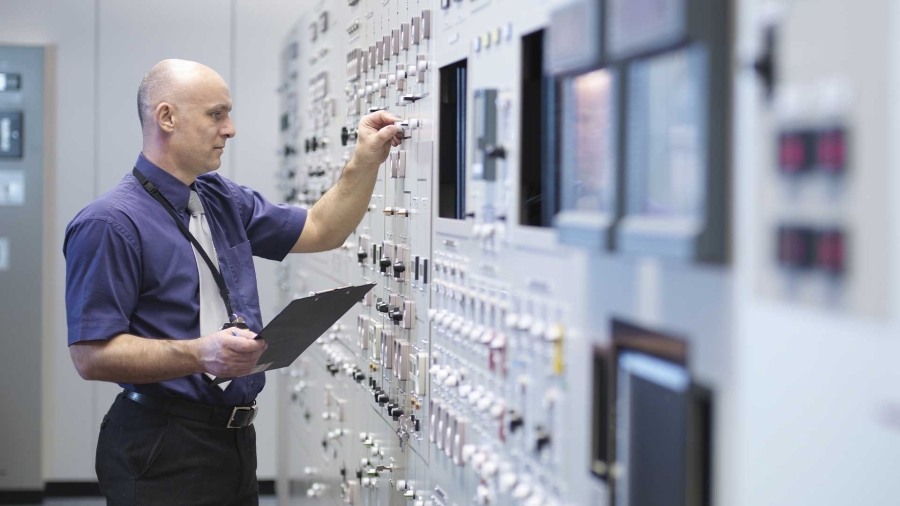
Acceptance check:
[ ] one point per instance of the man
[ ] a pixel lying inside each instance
(139, 293)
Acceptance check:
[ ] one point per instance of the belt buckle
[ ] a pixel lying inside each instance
(254, 408)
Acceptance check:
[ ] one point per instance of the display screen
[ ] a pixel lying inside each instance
(667, 134)
(600, 425)
(652, 427)
(452, 131)
(637, 26)
(590, 171)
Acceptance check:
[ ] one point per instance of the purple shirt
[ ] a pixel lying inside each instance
(130, 271)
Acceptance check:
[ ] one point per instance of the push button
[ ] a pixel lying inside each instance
(795, 152)
(796, 247)
(831, 151)
(830, 252)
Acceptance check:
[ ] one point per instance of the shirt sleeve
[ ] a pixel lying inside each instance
(272, 229)
(103, 279)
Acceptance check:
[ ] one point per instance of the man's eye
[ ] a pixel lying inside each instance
(216, 115)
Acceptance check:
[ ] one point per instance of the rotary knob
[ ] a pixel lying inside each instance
(515, 421)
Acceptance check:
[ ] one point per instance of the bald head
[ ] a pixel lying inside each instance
(184, 111)
(173, 81)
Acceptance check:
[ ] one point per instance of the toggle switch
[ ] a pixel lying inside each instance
(387, 349)
(426, 24)
(386, 47)
(401, 77)
(401, 164)
(421, 363)
(383, 85)
(449, 434)
(409, 314)
(404, 36)
(467, 452)
(416, 30)
(521, 492)
(537, 499)
(541, 439)
(459, 441)
(395, 42)
(398, 159)
(489, 469)
(422, 67)
(507, 482)
(401, 361)
(478, 460)
(435, 411)
(515, 421)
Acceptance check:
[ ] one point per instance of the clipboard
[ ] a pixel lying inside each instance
(301, 323)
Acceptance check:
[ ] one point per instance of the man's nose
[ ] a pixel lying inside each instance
(229, 130)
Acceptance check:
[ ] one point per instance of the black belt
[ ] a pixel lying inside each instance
(231, 417)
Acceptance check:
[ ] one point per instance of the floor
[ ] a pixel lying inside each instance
(92, 501)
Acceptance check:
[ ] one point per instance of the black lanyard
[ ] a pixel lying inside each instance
(233, 319)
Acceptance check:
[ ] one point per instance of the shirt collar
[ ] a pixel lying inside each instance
(176, 192)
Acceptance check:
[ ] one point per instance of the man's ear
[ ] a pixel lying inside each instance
(165, 117)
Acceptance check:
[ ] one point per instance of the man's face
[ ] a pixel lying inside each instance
(203, 125)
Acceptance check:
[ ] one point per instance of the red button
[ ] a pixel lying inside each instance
(830, 251)
(831, 151)
(795, 247)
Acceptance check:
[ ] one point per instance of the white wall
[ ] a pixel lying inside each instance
(817, 399)
(103, 48)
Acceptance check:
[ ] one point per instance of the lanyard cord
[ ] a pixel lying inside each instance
(220, 281)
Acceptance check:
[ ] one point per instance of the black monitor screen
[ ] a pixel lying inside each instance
(652, 428)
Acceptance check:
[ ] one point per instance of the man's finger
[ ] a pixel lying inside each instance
(388, 133)
(379, 119)
(243, 345)
(385, 117)
(241, 333)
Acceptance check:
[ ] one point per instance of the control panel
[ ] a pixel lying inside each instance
(504, 235)
(496, 234)
(552, 246)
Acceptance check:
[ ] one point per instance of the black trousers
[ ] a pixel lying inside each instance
(145, 457)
